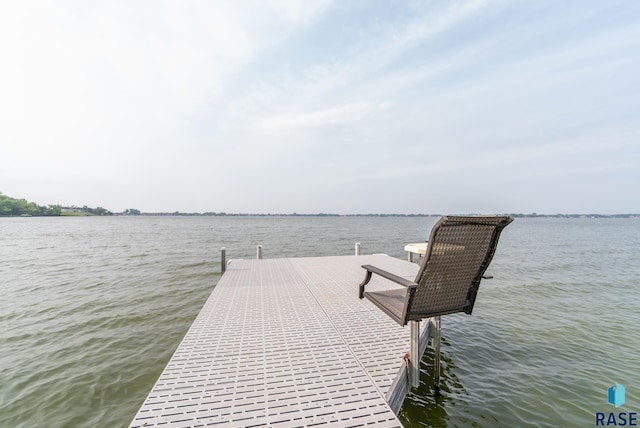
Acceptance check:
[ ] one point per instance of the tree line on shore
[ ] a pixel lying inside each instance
(21, 207)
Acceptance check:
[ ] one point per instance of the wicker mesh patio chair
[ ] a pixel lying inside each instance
(458, 253)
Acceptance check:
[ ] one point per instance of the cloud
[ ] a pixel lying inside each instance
(346, 114)
(114, 88)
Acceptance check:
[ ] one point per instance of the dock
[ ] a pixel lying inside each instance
(287, 343)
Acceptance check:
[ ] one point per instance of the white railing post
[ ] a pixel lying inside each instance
(259, 252)
(414, 369)
(357, 248)
(436, 355)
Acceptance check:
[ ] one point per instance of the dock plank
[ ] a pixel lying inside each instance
(287, 343)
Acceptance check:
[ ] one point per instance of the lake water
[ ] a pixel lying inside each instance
(91, 310)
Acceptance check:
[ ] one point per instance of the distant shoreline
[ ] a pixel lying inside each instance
(519, 215)
(214, 214)
(12, 207)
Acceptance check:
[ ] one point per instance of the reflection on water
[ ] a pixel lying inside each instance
(423, 407)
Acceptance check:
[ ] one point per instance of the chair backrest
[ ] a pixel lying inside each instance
(458, 253)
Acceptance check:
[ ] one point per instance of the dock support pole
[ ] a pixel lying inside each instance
(414, 369)
(223, 260)
(357, 248)
(259, 252)
(436, 355)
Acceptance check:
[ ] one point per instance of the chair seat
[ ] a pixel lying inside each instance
(390, 301)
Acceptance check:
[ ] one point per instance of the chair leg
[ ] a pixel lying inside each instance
(436, 355)
(414, 370)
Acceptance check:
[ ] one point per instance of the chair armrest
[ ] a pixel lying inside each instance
(387, 275)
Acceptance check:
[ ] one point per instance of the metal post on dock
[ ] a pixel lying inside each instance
(259, 252)
(414, 369)
(223, 260)
(357, 248)
(436, 355)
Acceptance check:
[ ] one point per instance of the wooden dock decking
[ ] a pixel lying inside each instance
(287, 343)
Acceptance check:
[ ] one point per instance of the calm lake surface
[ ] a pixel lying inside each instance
(92, 308)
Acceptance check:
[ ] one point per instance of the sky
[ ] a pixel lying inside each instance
(317, 106)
